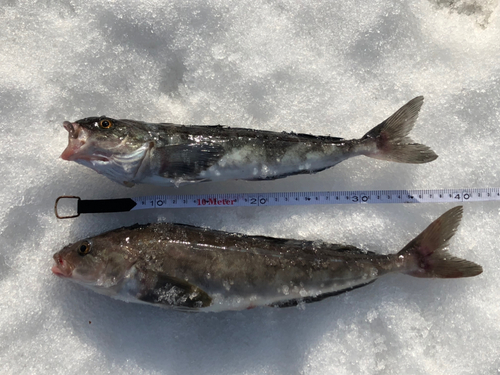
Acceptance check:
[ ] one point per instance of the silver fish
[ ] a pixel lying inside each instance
(196, 269)
(131, 152)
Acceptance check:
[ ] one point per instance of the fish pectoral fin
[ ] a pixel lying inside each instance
(320, 297)
(187, 161)
(175, 292)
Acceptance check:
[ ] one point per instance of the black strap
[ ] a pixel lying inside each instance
(95, 206)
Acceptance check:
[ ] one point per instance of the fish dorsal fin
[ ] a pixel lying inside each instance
(175, 292)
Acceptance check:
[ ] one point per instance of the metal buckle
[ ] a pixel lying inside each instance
(66, 197)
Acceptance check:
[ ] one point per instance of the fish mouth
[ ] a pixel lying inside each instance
(78, 148)
(76, 140)
(62, 268)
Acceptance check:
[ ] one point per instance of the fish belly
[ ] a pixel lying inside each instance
(259, 162)
(250, 163)
(282, 295)
(229, 298)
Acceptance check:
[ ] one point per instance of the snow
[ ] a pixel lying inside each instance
(317, 67)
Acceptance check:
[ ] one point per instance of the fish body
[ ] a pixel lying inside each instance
(131, 152)
(196, 269)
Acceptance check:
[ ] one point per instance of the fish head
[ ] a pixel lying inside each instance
(93, 138)
(93, 263)
(115, 148)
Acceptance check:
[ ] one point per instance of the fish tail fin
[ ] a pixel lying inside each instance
(425, 255)
(389, 140)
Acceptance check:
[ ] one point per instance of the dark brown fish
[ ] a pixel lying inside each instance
(191, 268)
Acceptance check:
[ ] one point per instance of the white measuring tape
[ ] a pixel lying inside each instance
(280, 199)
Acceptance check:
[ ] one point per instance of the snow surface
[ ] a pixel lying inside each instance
(316, 67)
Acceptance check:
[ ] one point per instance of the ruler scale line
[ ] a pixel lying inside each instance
(283, 199)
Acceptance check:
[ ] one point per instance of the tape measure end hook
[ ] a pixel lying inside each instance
(65, 197)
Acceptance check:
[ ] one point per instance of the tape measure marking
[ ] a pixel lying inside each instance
(282, 199)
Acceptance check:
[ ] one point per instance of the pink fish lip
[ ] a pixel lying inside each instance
(74, 141)
(77, 139)
(71, 151)
(61, 268)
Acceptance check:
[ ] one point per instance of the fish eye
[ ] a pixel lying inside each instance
(84, 248)
(105, 123)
